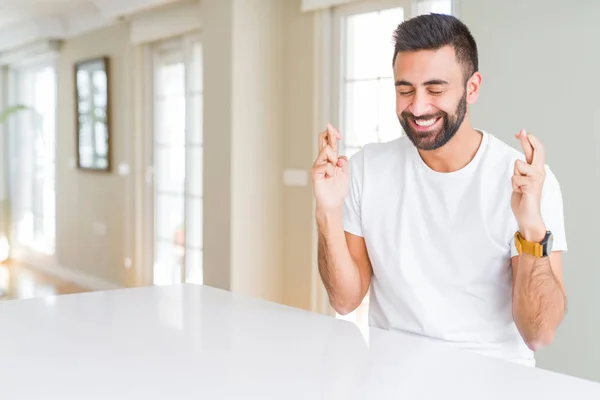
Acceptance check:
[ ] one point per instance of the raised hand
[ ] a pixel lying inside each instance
(329, 173)
(527, 183)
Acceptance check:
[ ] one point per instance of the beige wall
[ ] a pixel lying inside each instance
(243, 124)
(257, 234)
(257, 142)
(218, 58)
(259, 74)
(299, 139)
(83, 198)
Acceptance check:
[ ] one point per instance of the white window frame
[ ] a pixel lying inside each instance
(339, 16)
(147, 28)
(14, 65)
(148, 245)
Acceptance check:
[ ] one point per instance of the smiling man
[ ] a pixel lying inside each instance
(458, 235)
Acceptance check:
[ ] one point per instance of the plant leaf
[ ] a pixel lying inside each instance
(9, 111)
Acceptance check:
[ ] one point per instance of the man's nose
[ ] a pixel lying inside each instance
(420, 105)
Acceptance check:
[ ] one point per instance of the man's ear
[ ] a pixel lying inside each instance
(473, 86)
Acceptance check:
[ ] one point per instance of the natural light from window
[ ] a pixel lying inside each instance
(178, 153)
(368, 90)
(33, 145)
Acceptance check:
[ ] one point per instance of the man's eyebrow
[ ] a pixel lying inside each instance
(436, 82)
(403, 83)
(430, 82)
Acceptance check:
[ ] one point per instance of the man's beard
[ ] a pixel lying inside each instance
(435, 139)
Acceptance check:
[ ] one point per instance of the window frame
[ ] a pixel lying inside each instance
(340, 15)
(13, 72)
(183, 43)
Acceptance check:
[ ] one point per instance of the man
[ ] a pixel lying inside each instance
(458, 235)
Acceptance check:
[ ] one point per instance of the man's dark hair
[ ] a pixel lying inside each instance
(433, 31)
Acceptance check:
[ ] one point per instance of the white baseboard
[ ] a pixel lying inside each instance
(77, 277)
(48, 264)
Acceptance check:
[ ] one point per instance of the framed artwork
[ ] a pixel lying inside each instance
(92, 112)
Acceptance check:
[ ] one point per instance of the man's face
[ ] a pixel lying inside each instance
(431, 96)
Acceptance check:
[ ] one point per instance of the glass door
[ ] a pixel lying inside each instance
(177, 161)
(32, 144)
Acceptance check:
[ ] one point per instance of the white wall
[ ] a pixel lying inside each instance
(540, 62)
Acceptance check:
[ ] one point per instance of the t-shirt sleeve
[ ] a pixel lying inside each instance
(552, 213)
(352, 207)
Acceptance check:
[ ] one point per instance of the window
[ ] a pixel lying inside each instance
(434, 6)
(364, 96)
(177, 159)
(367, 95)
(32, 144)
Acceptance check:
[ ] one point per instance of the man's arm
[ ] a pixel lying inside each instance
(344, 264)
(539, 300)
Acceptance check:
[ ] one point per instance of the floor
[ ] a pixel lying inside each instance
(19, 282)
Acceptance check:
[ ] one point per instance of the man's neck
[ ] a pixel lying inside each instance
(455, 154)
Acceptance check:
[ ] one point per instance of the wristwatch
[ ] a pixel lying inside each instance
(538, 250)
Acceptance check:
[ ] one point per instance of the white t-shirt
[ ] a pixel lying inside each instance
(441, 243)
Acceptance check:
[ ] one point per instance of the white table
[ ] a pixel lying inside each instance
(194, 342)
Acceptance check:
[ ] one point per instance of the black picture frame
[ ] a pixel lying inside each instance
(92, 114)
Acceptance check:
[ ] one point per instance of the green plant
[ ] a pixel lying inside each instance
(11, 110)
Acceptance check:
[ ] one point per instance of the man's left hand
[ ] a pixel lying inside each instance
(528, 182)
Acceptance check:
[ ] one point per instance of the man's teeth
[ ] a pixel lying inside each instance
(427, 122)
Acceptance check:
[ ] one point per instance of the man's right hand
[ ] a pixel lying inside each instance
(330, 175)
